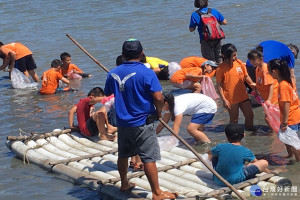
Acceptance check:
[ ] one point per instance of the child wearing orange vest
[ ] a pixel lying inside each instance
(230, 77)
(265, 84)
(50, 78)
(196, 61)
(188, 78)
(19, 56)
(288, 103)
(68, 67)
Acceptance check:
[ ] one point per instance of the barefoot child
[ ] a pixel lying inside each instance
(230, 77)
(265, 84)
(228, 159)
(288, 101)
(90, 124)
(201, 107)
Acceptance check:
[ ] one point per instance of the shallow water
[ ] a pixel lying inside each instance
(101, 27)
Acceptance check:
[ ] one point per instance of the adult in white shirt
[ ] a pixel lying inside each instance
(201, 107)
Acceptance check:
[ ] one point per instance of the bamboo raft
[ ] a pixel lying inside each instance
(93, 163)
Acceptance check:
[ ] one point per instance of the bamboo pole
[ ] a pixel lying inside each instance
(61, 145)
(87, 142)
(242, 184)
(141, 173)
(72, 143)
(87, 53)
(36, 136)
(81, 158)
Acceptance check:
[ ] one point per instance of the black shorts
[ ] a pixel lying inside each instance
(25, 63)
(92, 127)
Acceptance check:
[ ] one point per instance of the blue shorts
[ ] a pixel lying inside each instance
(203, 118)
(140, 141)
(63, 90)
(295, 127)
(250, 171)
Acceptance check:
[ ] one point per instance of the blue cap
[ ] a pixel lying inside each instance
(211, 63)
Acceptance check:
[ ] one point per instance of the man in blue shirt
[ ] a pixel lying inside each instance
(211, 50)
(138, 99)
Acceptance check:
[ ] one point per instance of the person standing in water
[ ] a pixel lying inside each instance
(138, 98)
(288, 102)
(230, 77)
(19, 56)
(210, 50)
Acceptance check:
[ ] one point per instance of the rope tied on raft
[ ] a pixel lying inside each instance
(25, 157)
(36, 136)
(21, 131)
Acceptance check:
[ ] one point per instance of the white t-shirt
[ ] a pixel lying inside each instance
(194, 103)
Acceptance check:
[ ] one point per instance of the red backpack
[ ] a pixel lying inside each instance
(211, 29)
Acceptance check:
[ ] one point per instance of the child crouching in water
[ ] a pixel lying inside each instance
(288, 104)
(91, 123)
(228, 159)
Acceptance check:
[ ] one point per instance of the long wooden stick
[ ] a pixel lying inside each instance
(87, 53)
(201, 159)
(177, 136)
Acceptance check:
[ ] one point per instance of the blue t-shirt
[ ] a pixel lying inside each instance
(231, 160)
(273, 49)
(196, 21)
(132, 83)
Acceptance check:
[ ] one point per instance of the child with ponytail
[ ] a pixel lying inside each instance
(266, 86)
(288, 104)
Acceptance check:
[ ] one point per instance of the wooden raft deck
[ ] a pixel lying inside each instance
(94, 164)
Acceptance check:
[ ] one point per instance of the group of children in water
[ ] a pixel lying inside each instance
(274, 84)
(230, 76)
(272, 80)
